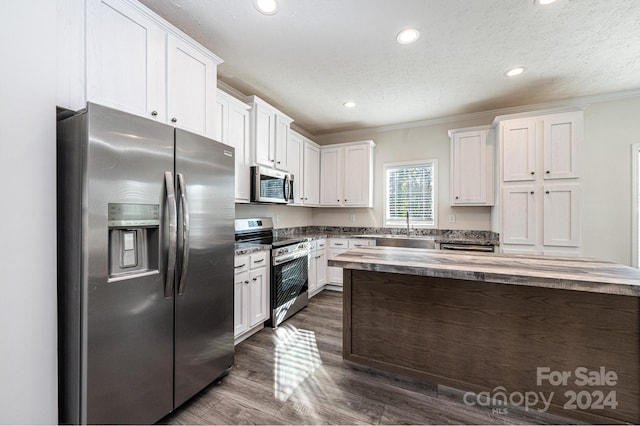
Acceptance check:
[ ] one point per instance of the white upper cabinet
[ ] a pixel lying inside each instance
(135, 62)
(311, 183)
(304, 165)
(269, 134)
(519, 150)
(562, 136)
(191, 87)
(126, 59)
(232, 128)
(346, 174)
(472, 171)
(295, 152)
(331, 176)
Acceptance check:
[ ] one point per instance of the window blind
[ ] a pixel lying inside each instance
(410, 189)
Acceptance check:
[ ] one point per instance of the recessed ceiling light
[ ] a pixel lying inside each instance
(266, 7)
(408, 36)
(543, 2)
(513, 72)
(349, 104)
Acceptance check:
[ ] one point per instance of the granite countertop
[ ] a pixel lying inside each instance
(247, 248)
(567, 273)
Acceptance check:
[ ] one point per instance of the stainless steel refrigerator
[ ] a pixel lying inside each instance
(145, 276)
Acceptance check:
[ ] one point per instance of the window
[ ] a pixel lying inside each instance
(410, 187)
(635, 204)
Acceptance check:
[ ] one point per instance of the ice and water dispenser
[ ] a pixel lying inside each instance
(134, 232)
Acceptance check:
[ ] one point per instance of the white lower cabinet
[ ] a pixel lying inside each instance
(338, 246)
(251, 294)
(317, 266)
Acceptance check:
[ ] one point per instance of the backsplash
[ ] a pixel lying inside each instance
(447, 234)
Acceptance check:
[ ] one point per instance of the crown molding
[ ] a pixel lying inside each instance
(230, 90)
(582, 102)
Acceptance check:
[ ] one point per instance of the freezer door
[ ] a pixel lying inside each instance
(204, 275)
(128, 338)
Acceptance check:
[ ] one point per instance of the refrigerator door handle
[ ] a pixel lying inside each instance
(173, 218)
(184, 201)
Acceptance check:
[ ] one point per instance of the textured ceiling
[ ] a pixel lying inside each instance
(315, 54)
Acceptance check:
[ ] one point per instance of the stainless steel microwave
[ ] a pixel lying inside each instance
(271, 186)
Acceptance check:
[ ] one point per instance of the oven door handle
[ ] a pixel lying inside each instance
(284, 259)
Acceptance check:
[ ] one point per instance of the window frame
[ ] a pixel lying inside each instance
(385, 190)
(635, 199)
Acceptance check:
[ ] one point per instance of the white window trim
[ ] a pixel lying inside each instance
(635, 185)
(385, 200)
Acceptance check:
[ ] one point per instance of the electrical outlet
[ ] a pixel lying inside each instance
(452, 218)
(352, 217)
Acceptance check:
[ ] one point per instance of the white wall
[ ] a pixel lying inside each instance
(283, 216)
(610, 129)
(28, 364)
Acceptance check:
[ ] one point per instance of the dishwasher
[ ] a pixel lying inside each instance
(470, 247)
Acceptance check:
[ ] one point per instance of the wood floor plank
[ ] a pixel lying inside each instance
(296, 375)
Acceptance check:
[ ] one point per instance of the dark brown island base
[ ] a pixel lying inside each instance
(540, 333)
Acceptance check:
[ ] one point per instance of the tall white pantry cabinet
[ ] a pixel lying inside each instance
(539, 204)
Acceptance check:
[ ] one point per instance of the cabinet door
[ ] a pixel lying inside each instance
(519, 215)
(335, 273)
(239, 139)
(321, 268)
(258, 296)
(125, 59)
(562, 136)
(469, 168)
(221, 120)
(519, 150)
(356, 175)
(311, 171)
(330, 177)
(312, 272)
(562, 225)
(295, 153)
(191, 85)
(240, 305)
(264, 134)
(280, 140)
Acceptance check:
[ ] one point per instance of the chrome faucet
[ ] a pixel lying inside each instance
(408, 231)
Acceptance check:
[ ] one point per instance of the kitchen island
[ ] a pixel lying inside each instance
(542, 333)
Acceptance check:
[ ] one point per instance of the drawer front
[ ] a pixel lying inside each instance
(258, 259)
(359, 242)
(241, 264)
(321, 244)
(338, 243)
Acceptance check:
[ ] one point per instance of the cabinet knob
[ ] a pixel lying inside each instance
(345, 200)
(254, 279)
(547, 172)
(174, 120)
(532, 192)
(338, 200)
(277, 162)
(246, 282)
(533, 173)
(546, 192)
(154, 113)
(457, 198)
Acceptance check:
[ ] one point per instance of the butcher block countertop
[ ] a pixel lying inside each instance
(565, 273)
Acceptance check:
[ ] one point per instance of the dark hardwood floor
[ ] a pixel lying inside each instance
(296, 375)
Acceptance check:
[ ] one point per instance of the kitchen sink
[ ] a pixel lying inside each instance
(402, 241)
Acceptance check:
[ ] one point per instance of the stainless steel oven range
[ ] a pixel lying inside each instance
(289, 267)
